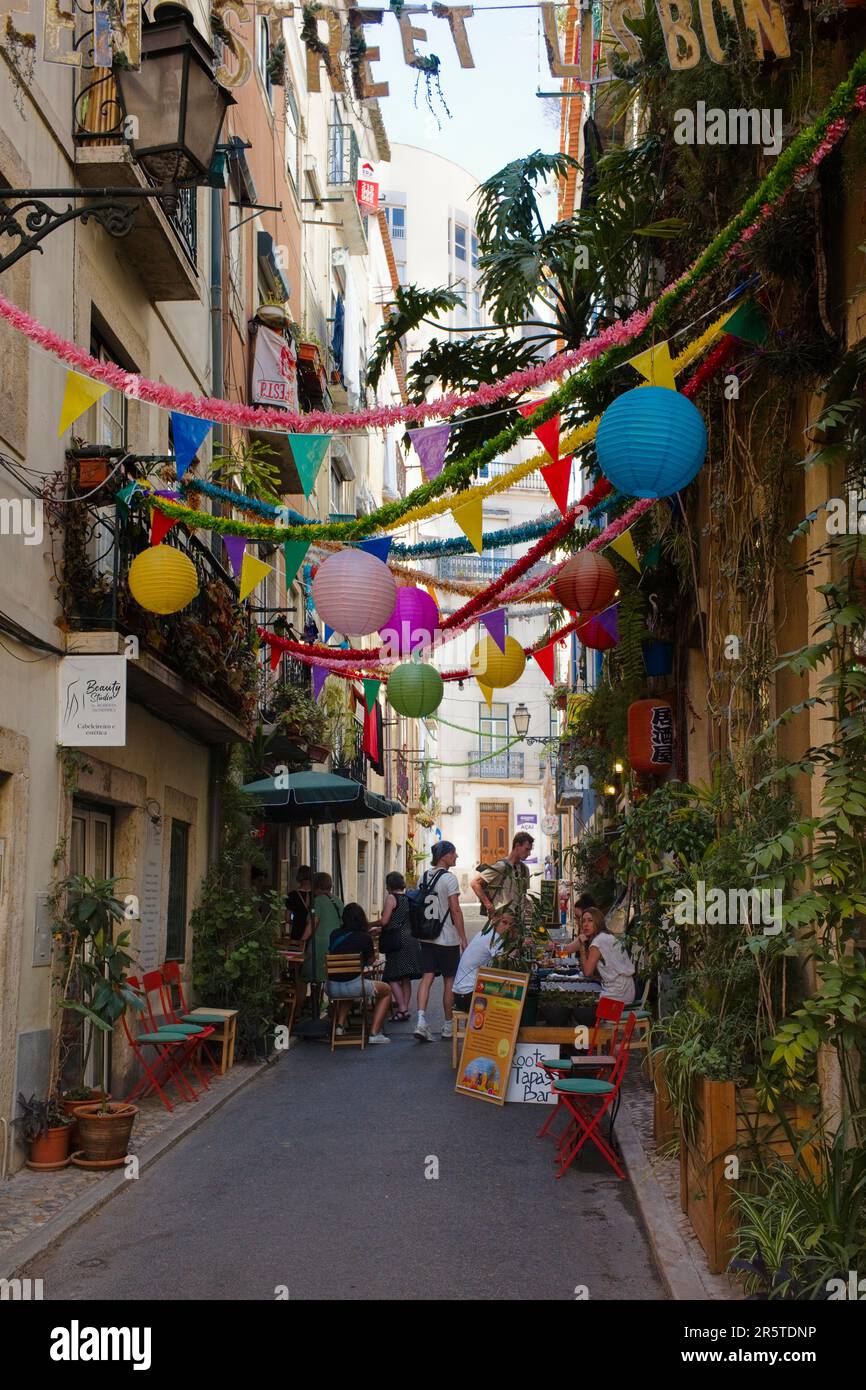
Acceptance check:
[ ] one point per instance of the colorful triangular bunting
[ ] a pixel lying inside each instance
(624, 546)
(430, 445)
(320, 675)
(123, 496)
(276, 655)
(371, 693)
(547, 433)
(653, 557)
(253, 571)
(79, 394)
(160, 525)
(486, 691)
(495, 624)
(470, 520)
(380, 546)
(294, 553)
(188, 433)
(558, 479)
(609, 620)
(235, 550)
(433, 594)
(308, 450)
(747, 322)
(329, 632)
(656, 366)
(545, 658)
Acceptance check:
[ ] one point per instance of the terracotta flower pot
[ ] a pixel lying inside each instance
(92, 472)
(51, 1147)
(71, 1106)
(104, 1136)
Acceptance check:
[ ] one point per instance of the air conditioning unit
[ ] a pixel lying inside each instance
(451, 811)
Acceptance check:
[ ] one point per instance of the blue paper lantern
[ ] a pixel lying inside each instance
(651, 442)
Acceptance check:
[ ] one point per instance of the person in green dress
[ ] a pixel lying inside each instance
(327, 915)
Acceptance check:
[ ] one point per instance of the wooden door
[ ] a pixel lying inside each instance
(492, 831)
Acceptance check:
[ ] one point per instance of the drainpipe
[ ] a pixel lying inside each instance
(217, 755)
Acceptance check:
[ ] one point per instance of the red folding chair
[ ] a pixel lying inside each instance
(587, 1099)
(151, 987)
(200, 1027)
(592, 1063)
(168, 1046)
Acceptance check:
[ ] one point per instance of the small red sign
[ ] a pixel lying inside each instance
(368, 195)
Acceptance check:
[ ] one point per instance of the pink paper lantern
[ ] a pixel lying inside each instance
(413, 624)
(354, 592)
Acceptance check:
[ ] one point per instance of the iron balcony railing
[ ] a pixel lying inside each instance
(343, 156)
(471, 566)
(501, 765)
(184, 219)
(532, 482)
(350, 761)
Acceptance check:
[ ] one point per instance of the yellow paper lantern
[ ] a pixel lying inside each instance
(494, 668)
(163, 579)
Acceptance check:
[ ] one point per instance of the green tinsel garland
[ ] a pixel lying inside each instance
(458, 474)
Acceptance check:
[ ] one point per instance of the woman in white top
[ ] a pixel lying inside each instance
(604, 955)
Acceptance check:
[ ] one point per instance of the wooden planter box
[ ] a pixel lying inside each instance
(730, 1123)
(666, 1128)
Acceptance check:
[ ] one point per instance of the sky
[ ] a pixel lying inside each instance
(495, 114)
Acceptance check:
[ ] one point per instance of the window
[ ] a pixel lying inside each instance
(401, 273)
(475, 309)
(337, 499)
(362, 869)
(175, 939)
(293, 137)
(397, 222)
(107, 419)
(459, 242)
(492, 725)
(236, 254)
(474, 241)
(263, 53)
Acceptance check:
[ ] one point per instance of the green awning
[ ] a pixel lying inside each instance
(319, 798)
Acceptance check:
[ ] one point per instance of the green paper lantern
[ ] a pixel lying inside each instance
(415, 688)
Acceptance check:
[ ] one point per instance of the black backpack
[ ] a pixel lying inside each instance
(425, 923)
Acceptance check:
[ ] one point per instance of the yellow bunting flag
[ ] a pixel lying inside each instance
(433, 594)
(624, 546)
(487, 692)
(253, 571)
(79, 395)
(655, 364)
(469, 519)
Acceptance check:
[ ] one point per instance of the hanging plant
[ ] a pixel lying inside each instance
(310, 35)
(357, 53)
(277, 64)
(429, 67)
(19, 51)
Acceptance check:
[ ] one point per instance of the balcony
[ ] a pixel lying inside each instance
(485, 567)
(285, 741)
(503, 766)
(350, 761)
(195, 668)
(569, 792)
(343, 157)
(533, 482)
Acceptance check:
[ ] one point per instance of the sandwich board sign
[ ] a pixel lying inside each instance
(491, 1035)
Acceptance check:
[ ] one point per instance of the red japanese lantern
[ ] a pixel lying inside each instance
(651, 735)
(585, 583)
(599, 632)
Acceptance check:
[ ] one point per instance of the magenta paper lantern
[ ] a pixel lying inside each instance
(595, 633)
(354, 592)
(413, 624)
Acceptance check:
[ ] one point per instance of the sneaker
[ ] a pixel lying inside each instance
(447, 1029)
(422, 1032)
(339, 1032)
(378, 1038)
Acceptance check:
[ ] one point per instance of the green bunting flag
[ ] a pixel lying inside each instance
(371, 694)
(308, 450)
(295, 553)
(747, 323)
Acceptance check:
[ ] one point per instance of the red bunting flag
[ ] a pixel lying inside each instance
(276, 656)
(546, 433)
(545, 659)
(558, 478)
(160, 525)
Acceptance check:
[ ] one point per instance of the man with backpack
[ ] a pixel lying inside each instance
(437, 920)
(505, 884)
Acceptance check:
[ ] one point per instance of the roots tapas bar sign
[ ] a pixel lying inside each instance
(336, 39)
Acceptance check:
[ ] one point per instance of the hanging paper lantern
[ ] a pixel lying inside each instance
(585, 583)
(651, 442)
(353, 592)
(413, 623)
(415, 688)
(651, 735)
(597, 633)
(495, 668)
(162, 579)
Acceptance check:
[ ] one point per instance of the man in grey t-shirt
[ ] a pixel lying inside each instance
(441, 956)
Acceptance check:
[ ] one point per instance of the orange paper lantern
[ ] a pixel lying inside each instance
(585, 583)
(651, 735)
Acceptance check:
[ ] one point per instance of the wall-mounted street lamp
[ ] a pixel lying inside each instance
(521, 720)
(178, 109)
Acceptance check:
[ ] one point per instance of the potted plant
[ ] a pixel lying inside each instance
(45, 1126)
(97, 989)
(71, 1099)
(272, 312)
(93, 463)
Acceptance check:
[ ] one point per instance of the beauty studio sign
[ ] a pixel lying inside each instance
(92, 701)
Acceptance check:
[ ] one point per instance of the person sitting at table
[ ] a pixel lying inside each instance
(298, 904)
(353, 938)
(603, 955)
(478, 954)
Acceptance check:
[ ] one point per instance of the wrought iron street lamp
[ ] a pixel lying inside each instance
(521, 720)
(177, 109)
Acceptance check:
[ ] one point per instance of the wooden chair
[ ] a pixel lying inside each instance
(339, 968)
(460, 1022)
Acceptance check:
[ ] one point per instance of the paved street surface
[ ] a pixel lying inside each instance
(313, 1178)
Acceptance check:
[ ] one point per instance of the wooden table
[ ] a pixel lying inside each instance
(563, 1036)
(224, 1033)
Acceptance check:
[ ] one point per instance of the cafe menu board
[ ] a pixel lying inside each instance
(491, 1035)
(548, 892)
